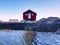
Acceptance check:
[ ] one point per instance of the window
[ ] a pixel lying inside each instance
(29, 15)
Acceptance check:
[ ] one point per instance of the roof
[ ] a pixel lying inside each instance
(29, 11)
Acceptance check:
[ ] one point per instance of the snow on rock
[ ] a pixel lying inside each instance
(58, 31)
(44, 38)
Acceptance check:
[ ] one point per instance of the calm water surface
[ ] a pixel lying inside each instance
(17, 38)
(12, 37)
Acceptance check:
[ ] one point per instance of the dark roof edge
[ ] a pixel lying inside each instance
(30, 10)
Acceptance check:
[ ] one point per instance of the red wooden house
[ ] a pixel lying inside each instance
(29, 15)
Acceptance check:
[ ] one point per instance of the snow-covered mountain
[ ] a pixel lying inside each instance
(48, 20)
(49, 24)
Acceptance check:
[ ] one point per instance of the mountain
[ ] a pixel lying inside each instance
(48, 24)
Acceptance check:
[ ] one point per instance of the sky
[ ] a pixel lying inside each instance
(13, 9)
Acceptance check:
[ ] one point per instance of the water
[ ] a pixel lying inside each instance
(17, 38)
(11, 37)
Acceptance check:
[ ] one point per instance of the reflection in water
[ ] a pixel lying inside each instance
(28, 37)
